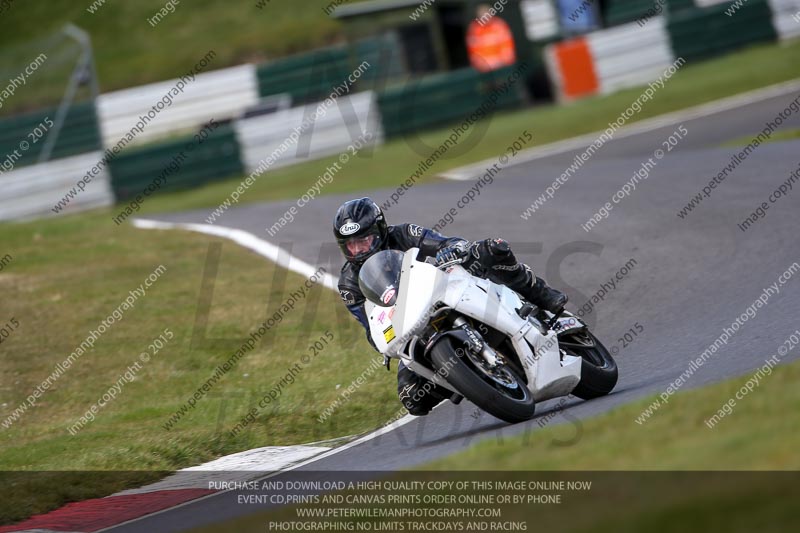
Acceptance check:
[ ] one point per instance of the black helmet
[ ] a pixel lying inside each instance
(360, 229)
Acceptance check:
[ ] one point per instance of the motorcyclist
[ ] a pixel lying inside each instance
(361, 230)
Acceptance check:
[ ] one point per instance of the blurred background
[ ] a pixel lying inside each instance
(429, 63)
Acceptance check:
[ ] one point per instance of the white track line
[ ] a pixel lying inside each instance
(242, 466)
(474, 170)
(249, 241)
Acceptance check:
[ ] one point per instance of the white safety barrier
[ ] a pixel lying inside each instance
(630, 55)
(607, 60)
(32, 191)
(786, 18)
(540, 19)
(338, 126)
(220, 94)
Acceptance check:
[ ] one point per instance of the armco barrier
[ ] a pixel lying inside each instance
(442, 98)
(220, 94)
(607, 60)
(79, 133)
(348, 118)
(786, 18)
(32, 191)
(216, 158)
(630, 55)
(707, 32)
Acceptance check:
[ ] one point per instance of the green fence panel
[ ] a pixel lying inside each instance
(622, 11)
(79, 133)
(708, 32)
(677, 5)
(383, 56)
(181, 163)
(443, 98)
(306, 77)
(312, 76)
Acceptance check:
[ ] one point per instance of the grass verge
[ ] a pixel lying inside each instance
(760, 434)
(67, 275)
(781, 135)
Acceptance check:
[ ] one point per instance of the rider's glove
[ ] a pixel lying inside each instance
(454, 253)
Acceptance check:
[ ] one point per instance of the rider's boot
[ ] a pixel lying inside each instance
(536, 291)
(546, 297)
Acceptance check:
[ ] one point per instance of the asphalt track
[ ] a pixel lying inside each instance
(692, 278)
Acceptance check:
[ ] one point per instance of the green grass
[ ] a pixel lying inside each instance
(760, 434)
(780, 135)
(130, 52)
(70, 273)
(390, 164)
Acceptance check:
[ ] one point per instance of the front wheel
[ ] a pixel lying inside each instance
(499, 390)
(598, 370)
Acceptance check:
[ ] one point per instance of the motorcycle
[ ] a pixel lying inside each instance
(478, 339)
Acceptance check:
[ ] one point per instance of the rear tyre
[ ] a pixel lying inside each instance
(498, 391)
(598, 370)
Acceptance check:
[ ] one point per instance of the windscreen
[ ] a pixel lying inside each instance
(379, 278)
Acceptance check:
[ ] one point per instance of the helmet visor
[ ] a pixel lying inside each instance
(359, 245)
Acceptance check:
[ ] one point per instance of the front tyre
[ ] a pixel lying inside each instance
(499, 391)
(598, 370)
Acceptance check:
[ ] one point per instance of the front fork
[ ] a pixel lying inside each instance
(481, 347)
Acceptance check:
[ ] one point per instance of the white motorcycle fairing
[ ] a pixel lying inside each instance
(423, 289)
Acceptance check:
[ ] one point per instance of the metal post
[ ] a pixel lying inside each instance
(85, 64)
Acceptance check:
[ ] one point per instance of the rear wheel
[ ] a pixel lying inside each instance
(497, 390)
(598, 371)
